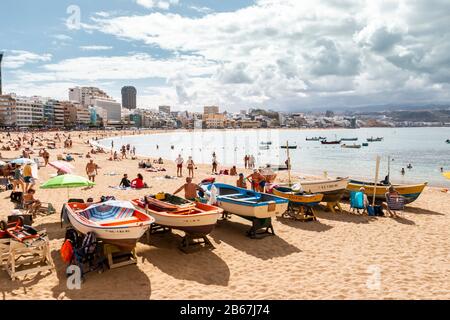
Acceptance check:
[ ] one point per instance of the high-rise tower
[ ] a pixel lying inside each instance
(1, 57)
(129, 97)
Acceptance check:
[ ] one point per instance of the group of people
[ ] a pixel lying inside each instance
(137, 183)
(391, 195)
(249, 161)
(179, 161)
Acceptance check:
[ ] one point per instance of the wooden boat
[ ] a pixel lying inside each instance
(288, 147)
(170, 211)
(266, 142)
(410, 192)
(332, 189)
(349, 139)
(247, 203)
(372, 139)
(330, 142)
(194, 218)
(351, 146)
(114, 222)
(296, 197)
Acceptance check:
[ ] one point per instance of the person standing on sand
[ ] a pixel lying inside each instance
(91, 170)
(190, 189)
(256, 180)
(46, 156)
(214, 164)
(246, 161)
(179, 162)
(190, 165)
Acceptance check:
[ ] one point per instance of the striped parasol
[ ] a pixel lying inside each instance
(112, 209)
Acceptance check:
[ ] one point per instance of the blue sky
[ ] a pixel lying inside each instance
(279, 54)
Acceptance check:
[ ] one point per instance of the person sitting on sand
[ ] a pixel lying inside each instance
(160, 161)
(190, 189)
(390, 194)
(241, 183)
(32, 204)
(233, 171)
(116, 156)
(138, 183)
(125, 183)
(148, 164)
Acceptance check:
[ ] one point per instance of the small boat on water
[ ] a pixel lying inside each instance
(330, 142)
(372, 139)
(315, 138)
(288, 147)
(351, 146)
(116, 222)
(365, 144)
(247, 203)
(409, 192)
(266, 142)
(170, 211)
(349, 139)
(264, 147)
(447, 141)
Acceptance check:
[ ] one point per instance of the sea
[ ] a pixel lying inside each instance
(424, 148)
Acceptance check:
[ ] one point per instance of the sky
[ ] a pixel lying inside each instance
(276, 54)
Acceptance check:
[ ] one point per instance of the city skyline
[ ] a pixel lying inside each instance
(281, 55)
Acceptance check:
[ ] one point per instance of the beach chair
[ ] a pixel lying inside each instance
(395, 204)
(357, 201)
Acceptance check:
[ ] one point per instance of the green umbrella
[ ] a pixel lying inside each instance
(67, 181)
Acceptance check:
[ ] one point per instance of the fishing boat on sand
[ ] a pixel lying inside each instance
(351, 146)
(254, 206)
(300, 204)
(372, 139)
(194, 218)
(332, 189)
(115, 222)
(409, 192)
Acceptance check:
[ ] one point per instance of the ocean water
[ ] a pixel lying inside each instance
(424, 148)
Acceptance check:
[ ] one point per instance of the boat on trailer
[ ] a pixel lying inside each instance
(254, 206)
(409, 192)
(115, 222)
(194, 218)
(300, 204)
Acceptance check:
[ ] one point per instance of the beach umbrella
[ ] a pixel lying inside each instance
(62, 166)
(22, 161)
(67, 181)
(446, 174)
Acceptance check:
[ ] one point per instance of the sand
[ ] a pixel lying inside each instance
(341, 256)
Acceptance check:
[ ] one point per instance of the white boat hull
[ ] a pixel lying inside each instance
(260, 212)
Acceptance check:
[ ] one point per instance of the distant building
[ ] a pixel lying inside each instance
(210, 109)
(129, 97)
(86, 95)
(7, 111)
(164, 109)
(113, 109)
(214, 121)
(29, 111)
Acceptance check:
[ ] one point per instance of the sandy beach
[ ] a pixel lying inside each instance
(336, 257)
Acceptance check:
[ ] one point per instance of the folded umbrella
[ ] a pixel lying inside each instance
(22, 161)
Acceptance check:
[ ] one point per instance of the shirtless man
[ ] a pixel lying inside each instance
(91, 170)
(46, 156)
(256, 179)
(190, 189)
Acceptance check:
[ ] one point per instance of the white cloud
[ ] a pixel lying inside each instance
(95, 48)
(160, 4)
(14, 59)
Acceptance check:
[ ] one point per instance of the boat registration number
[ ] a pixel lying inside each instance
(271, 207)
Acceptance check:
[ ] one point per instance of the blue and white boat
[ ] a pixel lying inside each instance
(246, 203)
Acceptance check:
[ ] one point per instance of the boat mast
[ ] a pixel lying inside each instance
(288, 162)
(376, 179)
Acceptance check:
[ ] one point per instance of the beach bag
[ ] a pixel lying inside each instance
(67, 251)
(375, 211)
(89, 245)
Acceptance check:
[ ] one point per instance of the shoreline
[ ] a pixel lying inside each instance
(299, 174)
